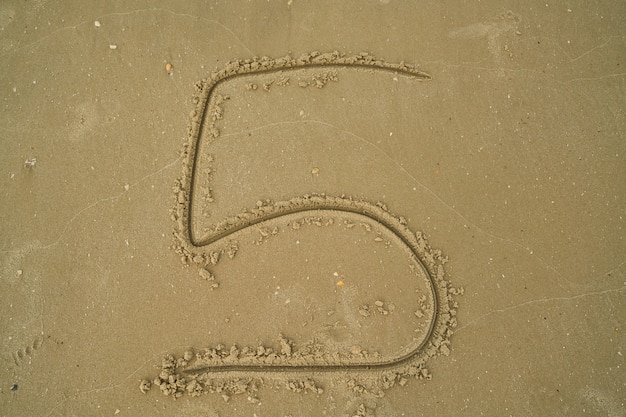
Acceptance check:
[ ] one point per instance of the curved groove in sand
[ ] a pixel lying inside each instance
(315, 203)
(315, 206)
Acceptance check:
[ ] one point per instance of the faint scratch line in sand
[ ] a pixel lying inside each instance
(602, 77)
(155, 9)
(111, 198)
(98, 202)
(467, 222)
(602, 45)
(540, 300)
(557, 77)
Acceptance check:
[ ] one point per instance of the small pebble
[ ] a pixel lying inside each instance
(113, 46)
(97, 23)
(169, 67)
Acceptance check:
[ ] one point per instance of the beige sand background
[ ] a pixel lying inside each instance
(511, 161)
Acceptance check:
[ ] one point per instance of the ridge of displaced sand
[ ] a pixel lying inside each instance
(237, 369)
(208, 103)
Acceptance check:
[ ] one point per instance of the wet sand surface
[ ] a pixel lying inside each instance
(295, 208)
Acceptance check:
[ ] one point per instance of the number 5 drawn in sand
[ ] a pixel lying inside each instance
(203, 246)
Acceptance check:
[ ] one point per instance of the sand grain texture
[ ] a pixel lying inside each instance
(326, 202)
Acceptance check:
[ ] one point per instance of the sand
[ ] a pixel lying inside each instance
(312, 208)
(395, 351)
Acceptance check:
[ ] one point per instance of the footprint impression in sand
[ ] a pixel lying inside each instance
(21, 310)
(282, 158)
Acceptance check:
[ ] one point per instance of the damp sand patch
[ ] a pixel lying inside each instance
(215, 220)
